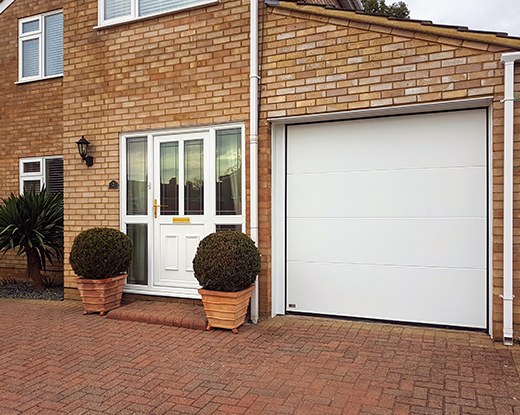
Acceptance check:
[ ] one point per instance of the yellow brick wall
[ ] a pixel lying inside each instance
(316, 64)
(30, 115)
(183, 69)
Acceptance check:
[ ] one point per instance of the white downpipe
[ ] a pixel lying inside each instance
(509, 62)
(253, 143)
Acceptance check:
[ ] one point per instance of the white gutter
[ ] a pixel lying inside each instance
(509, 74)
(253, 143)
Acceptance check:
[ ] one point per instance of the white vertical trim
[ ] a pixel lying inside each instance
(253, 144)
(509, 74)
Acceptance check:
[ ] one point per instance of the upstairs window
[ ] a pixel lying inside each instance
(116, 11)
(41, 46)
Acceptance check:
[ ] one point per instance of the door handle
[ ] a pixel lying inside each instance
(155, 206)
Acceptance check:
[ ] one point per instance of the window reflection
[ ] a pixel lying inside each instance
(138, 271)
(169, 179)
(229, 172)
(136, 176)
(193, 177)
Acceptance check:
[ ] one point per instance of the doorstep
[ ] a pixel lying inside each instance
(166, 314)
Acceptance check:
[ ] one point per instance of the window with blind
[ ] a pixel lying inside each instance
(41, 46)
(115, 11)
(39, 172)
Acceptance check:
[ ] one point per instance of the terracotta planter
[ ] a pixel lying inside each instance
(226, 310)
(100, 296)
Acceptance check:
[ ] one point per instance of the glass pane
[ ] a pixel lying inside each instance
(137, 176)
(193, 177)
(29, 185)
(31, 167)
(117, 8)
(53, 44)
(157, 6)
(138, 271)
(219, 228)
(31, 26)
(169, 179)
(30, 58)
(229, 172)
(54, 175)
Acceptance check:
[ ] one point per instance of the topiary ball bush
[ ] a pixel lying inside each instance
(100, 253)
(226, 261)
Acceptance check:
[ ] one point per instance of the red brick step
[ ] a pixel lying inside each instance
(166, 314)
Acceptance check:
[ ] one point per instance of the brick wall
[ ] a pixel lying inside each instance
(183, 69)
(317, 63)
(30, 114)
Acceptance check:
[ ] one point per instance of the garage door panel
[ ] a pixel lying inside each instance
(387, 218)
(420, 295)
(412, 242)
(395, 193)
(426, 141)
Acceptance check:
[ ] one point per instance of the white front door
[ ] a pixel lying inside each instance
(178, 187)
(180, 216)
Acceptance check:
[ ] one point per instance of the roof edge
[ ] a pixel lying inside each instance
(425, 26)
(5, 4)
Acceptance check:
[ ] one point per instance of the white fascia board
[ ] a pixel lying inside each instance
(5, 4)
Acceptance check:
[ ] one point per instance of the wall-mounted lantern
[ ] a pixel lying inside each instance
(83, 151)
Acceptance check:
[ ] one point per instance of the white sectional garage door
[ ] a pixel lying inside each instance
(387, 218)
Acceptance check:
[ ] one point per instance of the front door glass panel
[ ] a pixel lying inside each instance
(194, 177)
(169, 160)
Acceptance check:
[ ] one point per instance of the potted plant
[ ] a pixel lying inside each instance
(226, 265)
(101, 257)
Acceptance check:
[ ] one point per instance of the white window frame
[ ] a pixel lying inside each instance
(33, 176)
(36, 34)
(134, 14)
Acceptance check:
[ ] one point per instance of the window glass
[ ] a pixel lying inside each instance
(31, 58)
(54, 175)
(169, 178)
(31, 26)
(31, 167)
(53, 44)
(147, 7)
(137, 176)
(138, 270)
(117, 8)
(31, 185)
(229, 172)
(219, 228)
(193, 177)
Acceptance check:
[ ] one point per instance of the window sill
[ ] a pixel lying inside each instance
(106, 25)
(27, 81)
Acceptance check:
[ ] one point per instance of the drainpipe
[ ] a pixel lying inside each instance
(509, 80)
(253, 143)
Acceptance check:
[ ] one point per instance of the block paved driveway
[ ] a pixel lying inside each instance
(54, 360)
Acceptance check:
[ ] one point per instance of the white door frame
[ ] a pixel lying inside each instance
(212, 220)
(278, 183)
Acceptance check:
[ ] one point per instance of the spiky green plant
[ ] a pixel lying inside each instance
(32, 223)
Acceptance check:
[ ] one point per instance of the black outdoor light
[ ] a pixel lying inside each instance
(83, 151)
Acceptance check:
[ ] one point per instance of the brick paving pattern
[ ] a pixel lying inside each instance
(55, 360)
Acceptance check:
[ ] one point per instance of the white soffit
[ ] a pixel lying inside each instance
(382, 112)
(5, 4)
